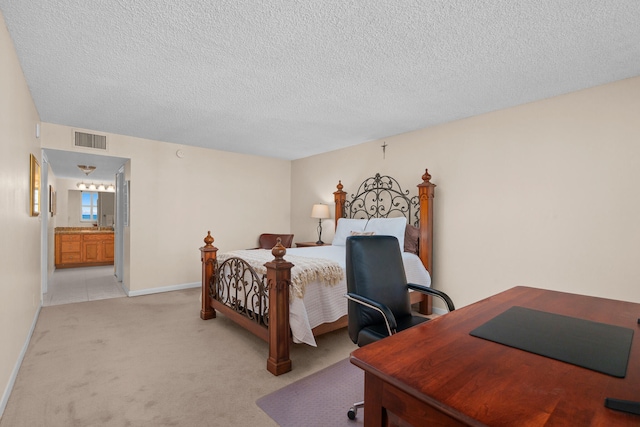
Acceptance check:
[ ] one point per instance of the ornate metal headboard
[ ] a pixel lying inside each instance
(381, 196)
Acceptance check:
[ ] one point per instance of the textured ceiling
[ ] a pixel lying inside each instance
(65, 165)
(290, 79)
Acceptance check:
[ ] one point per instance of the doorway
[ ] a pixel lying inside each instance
(61, 286)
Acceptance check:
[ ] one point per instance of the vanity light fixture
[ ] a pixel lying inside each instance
(110, 188)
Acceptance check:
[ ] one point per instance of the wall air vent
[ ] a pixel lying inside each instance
(89, 140)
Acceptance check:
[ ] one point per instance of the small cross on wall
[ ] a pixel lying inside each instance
(384, 149)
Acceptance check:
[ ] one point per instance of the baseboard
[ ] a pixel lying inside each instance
(439, 311)
(14, 374)
(162, 289)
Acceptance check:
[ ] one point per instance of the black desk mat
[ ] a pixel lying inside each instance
(592, 345)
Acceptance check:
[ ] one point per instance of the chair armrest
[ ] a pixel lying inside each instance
(434, 292)
(387, 314)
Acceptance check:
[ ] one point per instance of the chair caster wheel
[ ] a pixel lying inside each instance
(352, 413)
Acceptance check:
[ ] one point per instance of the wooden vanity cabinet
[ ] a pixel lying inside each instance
(68, 249)
(84, 249)
(108, 252)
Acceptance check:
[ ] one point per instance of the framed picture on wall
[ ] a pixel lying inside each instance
(34, 186)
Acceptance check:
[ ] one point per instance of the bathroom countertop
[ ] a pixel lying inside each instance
(82, 230)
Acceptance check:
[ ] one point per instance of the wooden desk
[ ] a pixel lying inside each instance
(438, 374)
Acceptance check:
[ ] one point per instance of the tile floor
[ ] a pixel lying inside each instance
(69, 285)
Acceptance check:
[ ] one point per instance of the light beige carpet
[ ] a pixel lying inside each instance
(150, 361)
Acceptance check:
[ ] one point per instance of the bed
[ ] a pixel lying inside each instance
(295, 294)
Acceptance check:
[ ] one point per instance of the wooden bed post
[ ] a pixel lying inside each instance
(208, 255)
(278, 281)
(426, 192)
(339, 197)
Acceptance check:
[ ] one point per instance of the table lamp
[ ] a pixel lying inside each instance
(321, 212)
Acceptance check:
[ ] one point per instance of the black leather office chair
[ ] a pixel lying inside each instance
(378, 292)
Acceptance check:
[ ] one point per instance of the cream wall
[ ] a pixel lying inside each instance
(21, 234)
(63, 216)
(175, 201)
(543, 194)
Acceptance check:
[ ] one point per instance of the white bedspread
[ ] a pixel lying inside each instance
(305, 269)
(324, 304)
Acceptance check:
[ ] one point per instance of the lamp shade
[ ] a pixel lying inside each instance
(320, 211)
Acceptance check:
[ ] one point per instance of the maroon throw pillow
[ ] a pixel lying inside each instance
(411, 237)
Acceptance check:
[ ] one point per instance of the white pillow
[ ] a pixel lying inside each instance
(345, 227)
(389, 227)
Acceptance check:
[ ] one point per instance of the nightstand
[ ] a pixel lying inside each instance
(310, 244)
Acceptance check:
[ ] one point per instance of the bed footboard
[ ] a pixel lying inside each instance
(237, 291)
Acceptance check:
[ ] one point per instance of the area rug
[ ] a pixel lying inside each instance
(322, 399)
